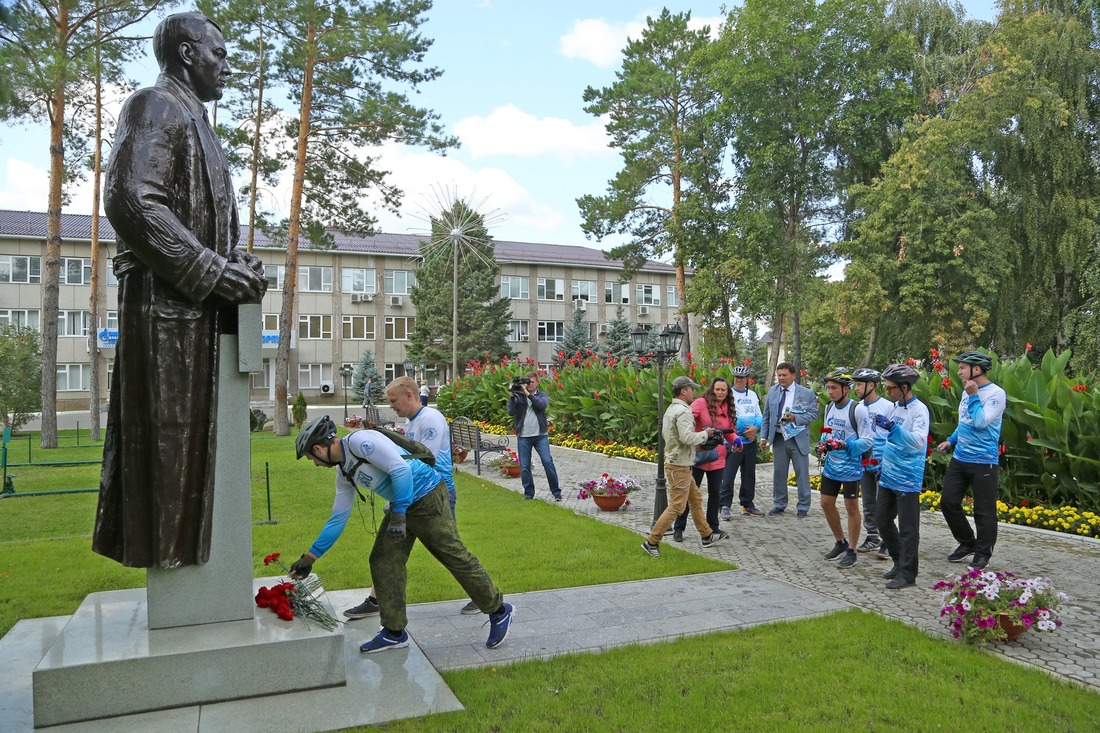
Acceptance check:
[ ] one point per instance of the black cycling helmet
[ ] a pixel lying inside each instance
(741, 371)
(839, 375)
(863, 374)
(318, 431)
(901, 374)
(975, 358)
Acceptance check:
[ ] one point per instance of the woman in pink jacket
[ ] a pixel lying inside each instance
(714, 409)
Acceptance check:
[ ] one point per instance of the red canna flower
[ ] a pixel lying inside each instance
(1001, 451)
(935, 353)
(911, 361)
(748, 361)
(946, 383)
(1028, 348)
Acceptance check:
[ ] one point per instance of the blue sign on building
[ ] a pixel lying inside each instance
(107, 339)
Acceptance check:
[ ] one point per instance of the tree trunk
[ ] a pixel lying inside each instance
(290, 276)
(777, 341)
(796, 344)
(51, 265)
(93, 298)
(872, 347)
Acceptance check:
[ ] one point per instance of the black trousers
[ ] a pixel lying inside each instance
(903, 539)
(981, 478)
(714, 481)
(745, 460)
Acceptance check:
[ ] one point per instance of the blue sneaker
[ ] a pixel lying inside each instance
(498, 626)
(383, 641)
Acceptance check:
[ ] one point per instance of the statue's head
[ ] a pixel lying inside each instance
(190, 47)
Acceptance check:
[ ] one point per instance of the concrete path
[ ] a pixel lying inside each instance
(790, 550)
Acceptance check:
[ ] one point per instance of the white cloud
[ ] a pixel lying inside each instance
(509, 130)
(601, 43)
(26, 187)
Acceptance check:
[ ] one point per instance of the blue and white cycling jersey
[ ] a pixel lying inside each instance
(846, 464)
(880, 406)
(430, 427)
(906, 450)
(977, 438)
(399, 481)
(747, 404)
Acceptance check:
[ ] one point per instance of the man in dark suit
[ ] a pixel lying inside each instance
(170, 200)
(789, 410)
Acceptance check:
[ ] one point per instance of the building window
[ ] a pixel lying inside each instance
(315, 279)
(111, 279)
(515, 287)
(647, 294)
(271, 322)
(672, 296)
(518, 331)
(17, 269)
(357, 280)
(400, 282)
(551, 288)
(616, 293)
(27, 318)
(72, 323)
(551, 330)
(312, 376)
(593, 332)
(358, 328)
(260, 379)
(112, 320)
(398, 328)
(583, 290)
(73, 377)
(275, 275)
(76, 271)
(110, 374)
(314, 327)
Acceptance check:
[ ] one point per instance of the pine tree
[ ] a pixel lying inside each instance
(619, 343)
(578, 338)
(364, 370)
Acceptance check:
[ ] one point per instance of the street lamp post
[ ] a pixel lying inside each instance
(410, 369)
(669, 341)
(346, 372)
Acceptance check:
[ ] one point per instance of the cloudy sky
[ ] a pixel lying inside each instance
(514, 75)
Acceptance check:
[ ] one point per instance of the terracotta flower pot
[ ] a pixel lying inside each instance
(609, 503)
(460, 456)
(510, 471)
(1013, 631)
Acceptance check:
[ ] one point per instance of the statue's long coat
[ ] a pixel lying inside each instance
(169, 198)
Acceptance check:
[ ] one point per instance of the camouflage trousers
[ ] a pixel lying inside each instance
(430, 521)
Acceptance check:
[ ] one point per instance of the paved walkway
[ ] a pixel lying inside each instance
(790, 550)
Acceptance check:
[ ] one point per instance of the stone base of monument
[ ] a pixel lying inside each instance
(106, 662)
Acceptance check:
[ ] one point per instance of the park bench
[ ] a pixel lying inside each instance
(467, 435)
(372, 418)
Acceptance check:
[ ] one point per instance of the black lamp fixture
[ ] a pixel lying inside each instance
(668, 347)
(346, 371)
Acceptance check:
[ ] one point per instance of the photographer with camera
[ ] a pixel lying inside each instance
(527, 405)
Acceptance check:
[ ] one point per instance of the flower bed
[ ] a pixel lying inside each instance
(1067, 519)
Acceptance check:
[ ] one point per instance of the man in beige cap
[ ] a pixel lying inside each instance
(680, 442)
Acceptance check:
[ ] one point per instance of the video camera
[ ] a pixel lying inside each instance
(519, 384)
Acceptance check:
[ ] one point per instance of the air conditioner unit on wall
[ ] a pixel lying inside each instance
(604, 328)
(396, 301)
(525, 338)
(582, 304)
(326, 388)
(362, 298)
(643, 310)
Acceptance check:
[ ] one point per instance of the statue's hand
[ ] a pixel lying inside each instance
(241, 284)
(248, 259)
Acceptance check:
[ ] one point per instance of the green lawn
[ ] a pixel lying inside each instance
(847, 671)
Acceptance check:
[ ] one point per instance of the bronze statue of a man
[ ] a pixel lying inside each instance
(169, 197)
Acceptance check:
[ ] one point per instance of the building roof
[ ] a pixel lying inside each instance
(79, 227)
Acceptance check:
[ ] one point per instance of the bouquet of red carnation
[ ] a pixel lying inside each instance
(295, 597)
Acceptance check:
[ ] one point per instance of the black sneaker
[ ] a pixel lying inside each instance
(839, 549)
(557, 496)
(870, 544)
(714, 536)
(775, 512)
(978, 563)
(891, 573)
(364, 609)
(651, 550)
(961, 553)
(900, 582)
(470, 609)
(803, 513)
(678, 535)
(883, 552)
(848, 560)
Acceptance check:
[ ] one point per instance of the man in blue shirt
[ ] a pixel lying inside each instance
(866, 387)
(418, 510)
(902, 474)
(845, 437)
(977, 455)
